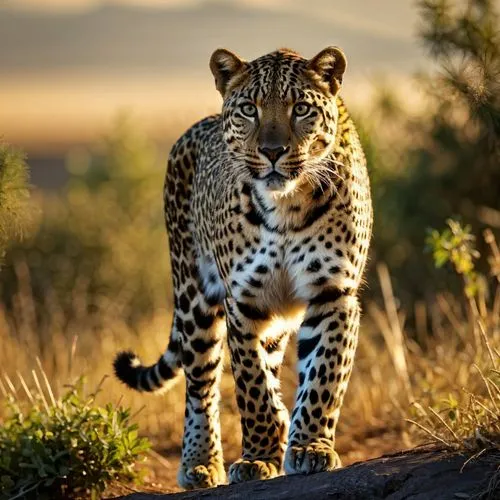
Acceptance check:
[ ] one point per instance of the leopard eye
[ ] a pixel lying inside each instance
(301, 109)
(249, 110)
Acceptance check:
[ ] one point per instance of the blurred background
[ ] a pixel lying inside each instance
(94, 93)
(68, 66)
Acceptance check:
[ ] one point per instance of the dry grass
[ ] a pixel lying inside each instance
(441, 374)
(452, 371)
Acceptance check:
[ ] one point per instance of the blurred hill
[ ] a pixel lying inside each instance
(170, 39)
(65, 73)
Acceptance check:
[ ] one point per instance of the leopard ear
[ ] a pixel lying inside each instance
(329, 65)
(225, 65)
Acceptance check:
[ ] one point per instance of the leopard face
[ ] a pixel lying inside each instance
(279, 113)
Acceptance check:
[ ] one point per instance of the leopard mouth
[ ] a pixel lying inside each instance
(274, 175)
(275, 180)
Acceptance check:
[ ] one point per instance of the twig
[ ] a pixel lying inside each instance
(428, 431)
(46, 380)
(137, 412)
(485, 380)
(40, 392)
(25, 387)
(487, 343)
(441, 419)
(476, 455)
(160, 458)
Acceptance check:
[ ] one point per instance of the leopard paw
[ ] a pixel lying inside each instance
(247, 470)
(311, 458)
(201, 476)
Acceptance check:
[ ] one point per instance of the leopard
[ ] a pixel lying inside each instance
(269, 220)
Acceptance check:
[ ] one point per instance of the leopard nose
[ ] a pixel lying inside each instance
(274, 153)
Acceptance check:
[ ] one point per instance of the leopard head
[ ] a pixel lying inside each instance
(279, 111)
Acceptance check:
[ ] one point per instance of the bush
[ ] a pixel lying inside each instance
(68, 448)
(14, 195)
(444, 161)
(100, 244)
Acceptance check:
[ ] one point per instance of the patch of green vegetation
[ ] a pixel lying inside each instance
(67, 447)
(102, 236)
(444, 158)
(469, 418)
(455, 245)
(14, 195)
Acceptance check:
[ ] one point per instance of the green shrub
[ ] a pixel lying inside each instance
(455, 245)
(14, 195)
(65, 448)
(469, 417)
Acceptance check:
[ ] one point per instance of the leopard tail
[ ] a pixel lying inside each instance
(158, 377)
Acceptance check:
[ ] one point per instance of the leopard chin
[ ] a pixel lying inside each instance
(275, 181)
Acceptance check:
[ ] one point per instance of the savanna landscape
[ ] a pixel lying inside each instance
(85, 273)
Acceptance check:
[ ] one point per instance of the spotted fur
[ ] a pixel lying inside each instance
(269, 218)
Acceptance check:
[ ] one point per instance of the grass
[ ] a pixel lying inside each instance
(469, 418)
(439, 383)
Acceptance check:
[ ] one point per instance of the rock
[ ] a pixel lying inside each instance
(421, 474)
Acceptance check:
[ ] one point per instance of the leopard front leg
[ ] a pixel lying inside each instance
(203, 330)
(256, 357)
(326, 348)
